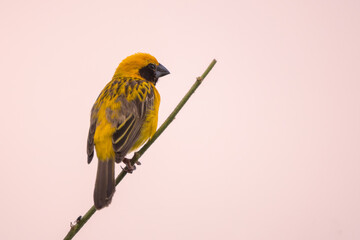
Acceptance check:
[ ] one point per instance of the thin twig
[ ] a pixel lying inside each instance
(80, 223)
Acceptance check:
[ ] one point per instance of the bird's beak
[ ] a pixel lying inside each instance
(161, 71)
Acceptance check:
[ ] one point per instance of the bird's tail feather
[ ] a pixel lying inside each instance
(105, 183)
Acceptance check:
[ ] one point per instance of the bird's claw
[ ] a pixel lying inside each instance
(129, 168)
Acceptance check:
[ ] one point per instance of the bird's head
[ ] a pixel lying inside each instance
(141, 65)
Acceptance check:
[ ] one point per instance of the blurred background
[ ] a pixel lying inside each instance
(267, 148)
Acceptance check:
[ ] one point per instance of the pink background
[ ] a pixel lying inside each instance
(268, 147)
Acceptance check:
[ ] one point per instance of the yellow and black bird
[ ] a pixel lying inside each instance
(123, 118)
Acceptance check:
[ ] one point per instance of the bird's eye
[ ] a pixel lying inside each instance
(152, 66)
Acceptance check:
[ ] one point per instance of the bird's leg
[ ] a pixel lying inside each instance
(129, 168)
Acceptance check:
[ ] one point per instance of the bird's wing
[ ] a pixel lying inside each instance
(131, 116)
(90, 140)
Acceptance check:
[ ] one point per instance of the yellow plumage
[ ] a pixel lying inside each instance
(106, 128)
(123, 118)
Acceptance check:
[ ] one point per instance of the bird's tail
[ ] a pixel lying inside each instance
(105, 183)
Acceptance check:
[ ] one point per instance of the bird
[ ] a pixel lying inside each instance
(123, 118)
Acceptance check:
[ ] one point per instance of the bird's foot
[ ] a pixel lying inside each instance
(129, 168)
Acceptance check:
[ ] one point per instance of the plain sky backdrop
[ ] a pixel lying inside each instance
(267, 148)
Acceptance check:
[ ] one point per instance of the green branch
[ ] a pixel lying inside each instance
(81, 221)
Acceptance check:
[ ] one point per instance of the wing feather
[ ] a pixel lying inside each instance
(131, 117)
(90, 140)
(122, 132)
